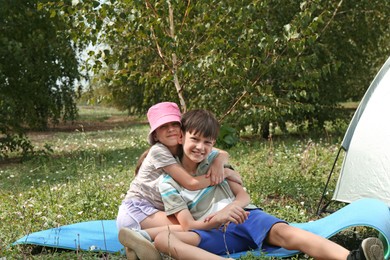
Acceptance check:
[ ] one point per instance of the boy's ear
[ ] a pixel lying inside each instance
(180, 139)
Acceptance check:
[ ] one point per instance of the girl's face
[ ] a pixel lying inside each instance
(168, 134)
(196, 147)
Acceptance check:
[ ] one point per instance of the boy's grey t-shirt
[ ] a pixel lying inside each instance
(201, 203)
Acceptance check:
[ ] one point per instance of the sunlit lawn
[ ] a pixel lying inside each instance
(88, 173)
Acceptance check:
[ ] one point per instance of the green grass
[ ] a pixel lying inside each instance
(98, 113)
(88, 173)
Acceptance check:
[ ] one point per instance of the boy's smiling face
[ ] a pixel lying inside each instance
(196, 147)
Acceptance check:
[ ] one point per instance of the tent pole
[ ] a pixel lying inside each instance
(326, 186)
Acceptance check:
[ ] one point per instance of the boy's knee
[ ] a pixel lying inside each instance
(280, 234)
(161, 240)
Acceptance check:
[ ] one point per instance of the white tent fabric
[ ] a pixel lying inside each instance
(365, 172)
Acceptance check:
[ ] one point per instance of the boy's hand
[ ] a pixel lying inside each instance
(233, 175)
(231, 213)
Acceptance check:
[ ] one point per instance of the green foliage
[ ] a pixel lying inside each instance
(250, 62)
(14, 144)
(354, 60)
(21, 146)
(227, 137)
(38, 67)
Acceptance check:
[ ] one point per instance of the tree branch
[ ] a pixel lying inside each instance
(233, 106)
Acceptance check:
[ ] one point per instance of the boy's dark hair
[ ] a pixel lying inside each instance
(200, 121)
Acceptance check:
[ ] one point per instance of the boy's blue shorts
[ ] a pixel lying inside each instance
(239, 237)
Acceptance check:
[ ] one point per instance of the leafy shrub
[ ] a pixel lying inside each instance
(228, 137)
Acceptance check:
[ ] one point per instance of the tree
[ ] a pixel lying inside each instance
(38, 69)
(251, 62)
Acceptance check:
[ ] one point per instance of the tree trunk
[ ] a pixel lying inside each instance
(179, 89)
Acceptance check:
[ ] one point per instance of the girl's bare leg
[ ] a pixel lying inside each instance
(293, 238)
(157, 220)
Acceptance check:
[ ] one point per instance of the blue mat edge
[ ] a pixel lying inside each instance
(277, 253)
(106, 224)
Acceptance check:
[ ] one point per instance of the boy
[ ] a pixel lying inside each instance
(244, 226)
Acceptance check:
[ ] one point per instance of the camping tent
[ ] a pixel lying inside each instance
(365, 172)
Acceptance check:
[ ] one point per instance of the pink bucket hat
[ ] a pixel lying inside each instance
(160, 114)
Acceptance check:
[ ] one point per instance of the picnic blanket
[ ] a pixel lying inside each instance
(102, 235)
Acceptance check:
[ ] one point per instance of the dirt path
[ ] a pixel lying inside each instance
(83, 126)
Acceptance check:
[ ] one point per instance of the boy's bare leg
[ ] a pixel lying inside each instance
(293, 238)
(156, 230)
(182, 245)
